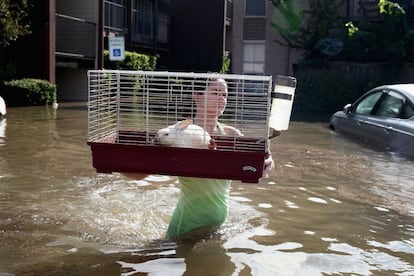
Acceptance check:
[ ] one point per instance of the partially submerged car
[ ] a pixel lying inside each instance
(2, 107)
(382, 117)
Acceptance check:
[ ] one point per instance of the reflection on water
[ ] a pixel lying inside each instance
(3, 124)
(330, 207)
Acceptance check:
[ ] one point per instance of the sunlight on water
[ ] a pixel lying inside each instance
(290, 204)
(265, 205)
(3, 124)
(317, 200)
(159, 267)
(126, 212)
(406, 246)
(277, 260)
(240, 244)
(241, 199)
(286, 258)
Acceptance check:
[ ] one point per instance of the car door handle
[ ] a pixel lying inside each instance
(388, 129)
(360, 123)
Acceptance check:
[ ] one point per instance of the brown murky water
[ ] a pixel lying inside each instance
(331, 207)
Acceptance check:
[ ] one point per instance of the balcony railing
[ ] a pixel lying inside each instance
(75, 37)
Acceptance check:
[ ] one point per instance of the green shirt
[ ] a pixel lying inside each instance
(202, 202)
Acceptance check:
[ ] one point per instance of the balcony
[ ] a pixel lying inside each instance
(75, 38)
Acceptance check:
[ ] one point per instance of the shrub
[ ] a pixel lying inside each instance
(320, 33)
(323, 91)
(28, 92)
(132, 61)
(225, 63)
(387, 40)
(305, 30)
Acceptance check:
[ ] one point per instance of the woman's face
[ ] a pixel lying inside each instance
(213, 100)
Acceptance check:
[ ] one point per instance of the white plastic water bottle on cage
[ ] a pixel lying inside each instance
(282, 102)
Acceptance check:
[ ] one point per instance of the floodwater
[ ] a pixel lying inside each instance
(331, 207)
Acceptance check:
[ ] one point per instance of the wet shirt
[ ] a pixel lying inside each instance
(202, 202)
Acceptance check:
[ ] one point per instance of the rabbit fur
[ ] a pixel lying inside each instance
(184, 134)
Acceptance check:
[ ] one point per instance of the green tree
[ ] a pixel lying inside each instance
(14, 21)
(321, 34)
(288, 19)
(315, 31)
(388, 39)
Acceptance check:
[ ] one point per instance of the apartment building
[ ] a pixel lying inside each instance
(83, 28)
(203, 31)
(186, 35)
(254, 50)
(68, 39)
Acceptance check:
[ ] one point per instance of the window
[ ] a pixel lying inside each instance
(254, 28)
(365, 106)
(163, 23)
(254, 36)
(369, 9)
(407, 111)
(115, 15)
(229, 10)
(255, 7)
(391, 105)
(254, 58)
(142, 16)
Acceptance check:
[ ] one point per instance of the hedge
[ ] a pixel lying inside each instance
(28, 92)
(323, 91)
(132, 61)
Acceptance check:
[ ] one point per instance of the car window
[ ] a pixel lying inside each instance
(365, 106)
(391, 105)
(407, 111)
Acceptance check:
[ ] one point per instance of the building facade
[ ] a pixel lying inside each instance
(254, 49)
(69, 37)
(200, 33)
(83, 28)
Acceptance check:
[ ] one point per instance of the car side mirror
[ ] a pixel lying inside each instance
(347, 108)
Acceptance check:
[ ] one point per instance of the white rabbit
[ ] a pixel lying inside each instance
(184, 134)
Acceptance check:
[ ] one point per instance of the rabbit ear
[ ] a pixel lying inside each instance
(184, 124)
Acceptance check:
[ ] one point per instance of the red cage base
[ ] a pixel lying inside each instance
(247, 166)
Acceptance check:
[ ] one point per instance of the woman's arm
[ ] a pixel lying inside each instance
(269, 165)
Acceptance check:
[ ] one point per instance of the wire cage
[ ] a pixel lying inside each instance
(128, 109)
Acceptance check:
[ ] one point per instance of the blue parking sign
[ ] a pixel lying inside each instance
(116, 52)
(116, 48)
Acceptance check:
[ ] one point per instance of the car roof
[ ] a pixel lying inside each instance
(406, 88)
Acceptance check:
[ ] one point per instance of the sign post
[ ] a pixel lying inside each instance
(116, 49)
